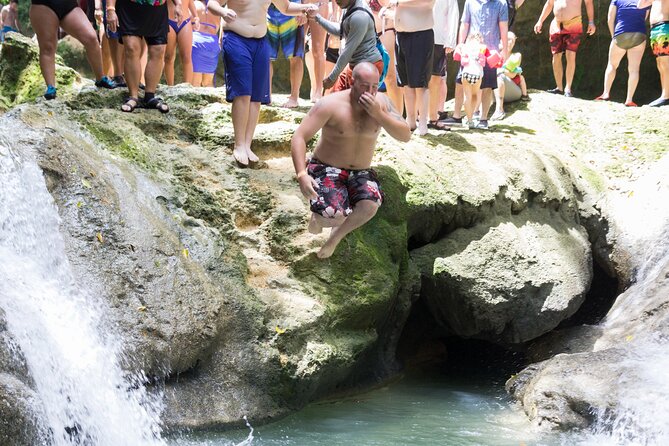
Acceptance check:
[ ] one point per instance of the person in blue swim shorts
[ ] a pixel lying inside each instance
(246, 54)
(9, 16)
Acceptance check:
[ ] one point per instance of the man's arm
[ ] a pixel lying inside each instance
(291, 8)
(504, 34)
(391, 121)
(317, 117)
(464, 24)
(412, 3)
(644, 4)
(451, 25)
(357, 28)
(226, 13)
(329, 26)
(590, 11)
(548, 7)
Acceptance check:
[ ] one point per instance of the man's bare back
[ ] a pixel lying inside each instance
(414, 15)
(659, 10)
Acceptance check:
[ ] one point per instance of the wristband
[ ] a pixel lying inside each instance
(301, 173)
(111, 8)
(591, 22)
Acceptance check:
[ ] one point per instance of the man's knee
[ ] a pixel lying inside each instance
(367, 208)
(156, 51)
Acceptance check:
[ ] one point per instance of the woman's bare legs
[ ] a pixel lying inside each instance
(185, 43)
(615, 56)
(634, 56)
(45, 23)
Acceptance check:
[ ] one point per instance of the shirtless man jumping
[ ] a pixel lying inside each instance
(659, 43)
(246, 56)
(565, 35)
(343, 191)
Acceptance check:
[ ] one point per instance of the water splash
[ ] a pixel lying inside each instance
(86, 397)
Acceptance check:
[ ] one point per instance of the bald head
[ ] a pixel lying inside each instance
(365, 71)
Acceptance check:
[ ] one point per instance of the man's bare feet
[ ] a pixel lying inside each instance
(290, 103)
(241, 156)
(252, 156)
(327, 249)
(314, 226)
(315, 97)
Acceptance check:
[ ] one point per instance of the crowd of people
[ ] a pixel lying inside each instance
(352, 49)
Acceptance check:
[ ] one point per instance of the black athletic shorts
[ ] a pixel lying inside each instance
(145, 21)
(414, 58)
(439, 61)
(60, 7)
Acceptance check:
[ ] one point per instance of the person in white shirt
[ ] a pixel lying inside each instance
(446, 19)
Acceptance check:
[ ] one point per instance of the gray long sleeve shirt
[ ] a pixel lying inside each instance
(360, 34)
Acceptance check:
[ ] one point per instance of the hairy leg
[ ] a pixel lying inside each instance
(663, 68)
(422, 104)
(395, 93)
(486, 100)
(254, 112)
(296, 73)
(410, 103)
(154, 67)
(570, 56)
(133, 65)
(557, 70)
(240, 118)
(435, 90)
(459, 101)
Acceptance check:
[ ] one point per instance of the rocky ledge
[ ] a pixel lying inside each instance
(208, 270)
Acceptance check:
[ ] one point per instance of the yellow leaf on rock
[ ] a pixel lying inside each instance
(630, 194)
(279, 330)
(85, 183)
(141, 308)
(79, 204)
(629, 338)
(99, 236)
(185, 253)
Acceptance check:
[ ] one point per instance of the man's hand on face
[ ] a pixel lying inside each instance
(327, 83)
(370, 104)
(308, 187)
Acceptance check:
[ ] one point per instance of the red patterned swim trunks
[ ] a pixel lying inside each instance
(340, 189)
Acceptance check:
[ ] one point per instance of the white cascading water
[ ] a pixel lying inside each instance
(642, 413)
(86, 397)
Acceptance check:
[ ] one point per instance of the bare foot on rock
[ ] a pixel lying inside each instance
(241, 156)
(327, 250)
(252, 156)
(290, 103)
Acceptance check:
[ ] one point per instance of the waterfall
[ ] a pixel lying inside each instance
(86, 397)
(641, 416)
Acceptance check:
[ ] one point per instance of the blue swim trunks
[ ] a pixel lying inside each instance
(283, 32)
(246, 67)
(6, 29)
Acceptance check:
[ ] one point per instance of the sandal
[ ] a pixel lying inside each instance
(436, 125)
(130, 105)
(158, 104)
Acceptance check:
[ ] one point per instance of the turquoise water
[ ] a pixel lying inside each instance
(422, 409)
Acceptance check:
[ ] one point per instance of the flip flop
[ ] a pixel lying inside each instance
(436, 125)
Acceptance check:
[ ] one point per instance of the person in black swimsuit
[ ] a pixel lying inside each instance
(46, 16)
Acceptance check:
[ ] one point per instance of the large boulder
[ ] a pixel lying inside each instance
(507, 281)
